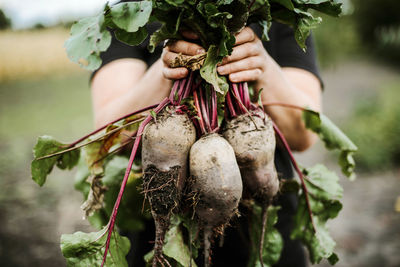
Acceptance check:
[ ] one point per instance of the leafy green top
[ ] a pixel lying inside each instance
(216, 23)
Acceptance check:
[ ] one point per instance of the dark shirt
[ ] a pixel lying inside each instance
(285, 51)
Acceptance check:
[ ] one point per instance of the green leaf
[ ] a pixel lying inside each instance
(324, 194)
(130, 16)
(87, 249)
(159, 36)
(273, 242)
(286, 3)
(175, 247)
(131, 38)
(47, 145)
(333, 138)
(130, 216)
(88, 38)
(209, 71)
(304, 26)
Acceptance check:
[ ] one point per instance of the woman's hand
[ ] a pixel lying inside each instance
(248, 60)
(173, 49)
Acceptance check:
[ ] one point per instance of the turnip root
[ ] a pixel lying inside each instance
(252, 137)
(216, 179)
(165, 149)
(253, 140)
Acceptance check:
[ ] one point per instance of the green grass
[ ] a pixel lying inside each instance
(375, 126)
(55, 105)
(336, 39)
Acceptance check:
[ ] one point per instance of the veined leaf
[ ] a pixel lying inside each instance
(87, 249)
(273, 242)
(47, 145)
(209, 71)
(88, 38)
(130, 16)
(333, 138)
(324, 194)
(174, 245)
(131, 38)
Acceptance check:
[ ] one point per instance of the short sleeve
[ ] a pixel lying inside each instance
(284, 49)
(119, 50)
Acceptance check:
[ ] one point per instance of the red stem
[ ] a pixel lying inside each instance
(200, 117)
(246, 95)
(188, 87)
(204, 112)
(299, 173)
(230, 104)
(113, 217)
(214, 111)
(181, 91)
(108, 124)
(235, 91)
(173, 91)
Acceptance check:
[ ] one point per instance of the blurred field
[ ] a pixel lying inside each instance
(28, 54)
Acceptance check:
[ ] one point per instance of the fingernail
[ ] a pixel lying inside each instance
(201, 51)
(233, 77)
(220, 69)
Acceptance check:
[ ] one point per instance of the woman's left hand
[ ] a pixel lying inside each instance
(248, 60)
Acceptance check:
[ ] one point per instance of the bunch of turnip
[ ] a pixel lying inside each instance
(221, 161)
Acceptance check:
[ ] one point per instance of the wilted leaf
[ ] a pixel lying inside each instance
(87, 249)
(273, 242)
(94, 201)
(333, 138)
(97, 151)
(47, 145)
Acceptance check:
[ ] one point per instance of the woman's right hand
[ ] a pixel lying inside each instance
(173, 49)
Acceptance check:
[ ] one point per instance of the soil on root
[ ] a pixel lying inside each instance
(160, 188)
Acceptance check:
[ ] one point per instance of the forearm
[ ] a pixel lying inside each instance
(292, 86)
(138, 88)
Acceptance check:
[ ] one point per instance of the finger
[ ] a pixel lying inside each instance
(242, 51)
(186, 48)
(245, 76)
(241, 65)
(246, 35)
(169, 57)
(175, 73)
(189, 35)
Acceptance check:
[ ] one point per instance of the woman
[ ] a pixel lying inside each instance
(131, 78)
